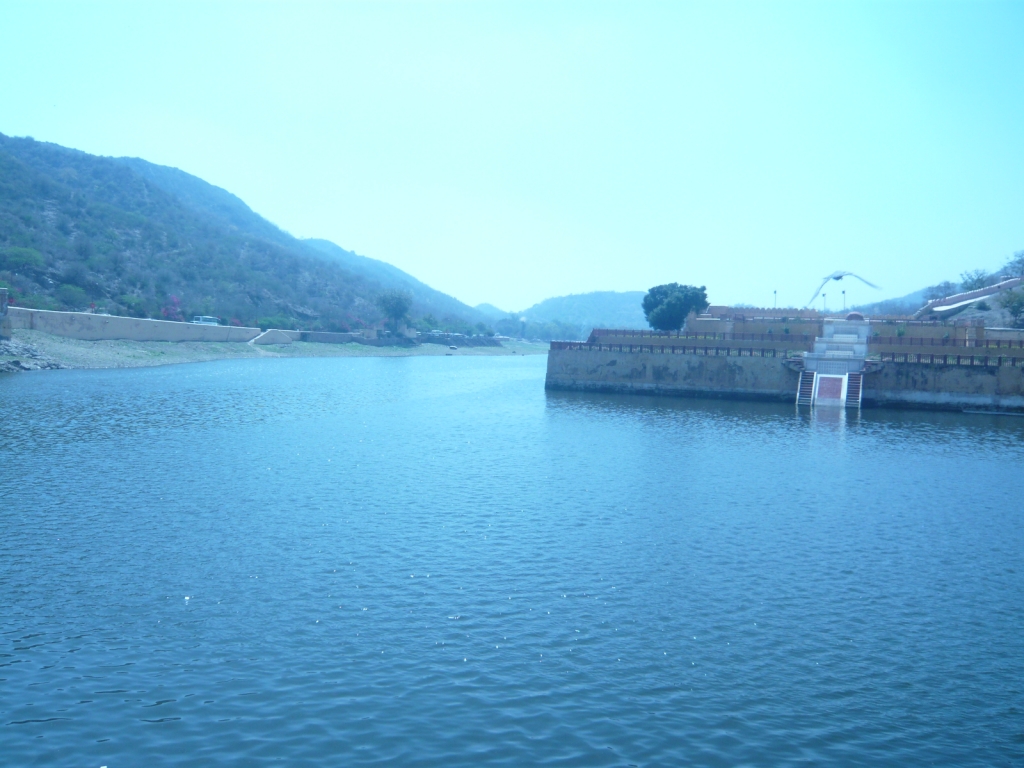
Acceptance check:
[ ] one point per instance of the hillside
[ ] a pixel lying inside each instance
(490, 311)
(129, 237)
(969, 281)
(426, 300)
(903, 305)
(570, 317)
(600, 309)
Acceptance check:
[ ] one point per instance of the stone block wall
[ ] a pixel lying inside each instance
(765, 378)
(82, 325)
(946, 386)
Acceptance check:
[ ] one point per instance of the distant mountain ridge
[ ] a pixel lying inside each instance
(598, 309)
(570, 317)
(130, 237)
(491, 312)
(902, 305)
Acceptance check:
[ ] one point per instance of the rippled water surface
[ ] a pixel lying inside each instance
(431, 561)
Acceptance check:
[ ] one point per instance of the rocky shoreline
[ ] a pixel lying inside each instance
(24, 357)
(33, 351)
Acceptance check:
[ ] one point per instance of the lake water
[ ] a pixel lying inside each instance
(431, 561)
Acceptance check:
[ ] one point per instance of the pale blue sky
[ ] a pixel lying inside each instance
(508, 152)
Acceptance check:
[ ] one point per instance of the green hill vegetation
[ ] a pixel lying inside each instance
(971, 280)
(604, 309)
(124, 236)
(570, 317)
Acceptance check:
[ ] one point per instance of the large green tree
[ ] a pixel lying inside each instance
(666, 307)
(394, 305)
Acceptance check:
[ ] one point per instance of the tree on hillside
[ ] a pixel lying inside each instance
(666, 307)
(1013, 302)
(394, 305)
(973, 280)
(21, 259)
(1015, 266)
(940, 291)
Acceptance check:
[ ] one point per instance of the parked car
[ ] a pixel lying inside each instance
(204, 320)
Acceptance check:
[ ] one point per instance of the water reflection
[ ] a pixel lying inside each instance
(830, 418)
(942, 424)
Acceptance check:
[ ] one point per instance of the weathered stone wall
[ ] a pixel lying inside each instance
(672, 374)
(946, 386)
(766, 378)
(82, 325)
(327, 337)
(275, 336)
(1005, 334)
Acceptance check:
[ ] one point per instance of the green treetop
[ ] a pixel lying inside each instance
(666, 307)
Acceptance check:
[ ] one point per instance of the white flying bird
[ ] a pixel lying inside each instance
(838, 276)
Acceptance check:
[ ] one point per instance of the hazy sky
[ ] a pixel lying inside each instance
(508, 152)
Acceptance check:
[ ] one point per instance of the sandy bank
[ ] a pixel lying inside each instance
(31, 350)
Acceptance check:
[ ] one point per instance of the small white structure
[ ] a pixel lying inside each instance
(834, 372)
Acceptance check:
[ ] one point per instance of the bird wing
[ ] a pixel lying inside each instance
(863, 280)
(819, 290)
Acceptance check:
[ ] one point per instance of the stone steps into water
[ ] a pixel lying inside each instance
(805, 389)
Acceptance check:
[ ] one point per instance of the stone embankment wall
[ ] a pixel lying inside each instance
(82, 325)
(770, 378)
(275, 336)
(946, 386)
(90, 327)
(765, 378)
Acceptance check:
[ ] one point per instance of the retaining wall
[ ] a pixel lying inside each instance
(765, 378)
(326, 337)
(82, 325)
(946, 386)
(770, 378)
